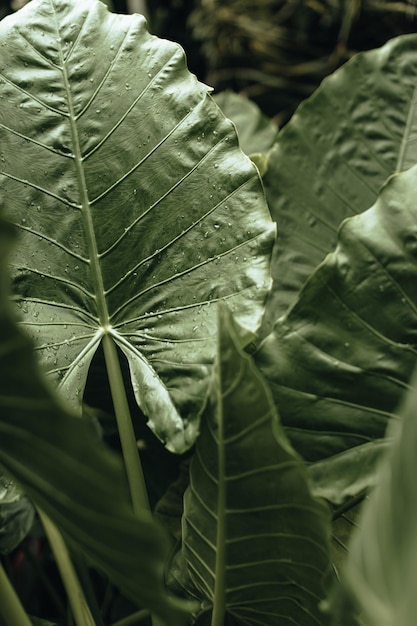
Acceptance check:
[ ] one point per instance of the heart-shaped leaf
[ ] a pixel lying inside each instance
(340, 360)
(331, 160)
(136, 209)
(66, 470)
(255, 541)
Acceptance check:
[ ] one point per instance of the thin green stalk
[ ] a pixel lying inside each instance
(133, 619)
(219, 601)
(130, 450)
(11, 608)
(135, 477)
(79, 606)
(85, 579)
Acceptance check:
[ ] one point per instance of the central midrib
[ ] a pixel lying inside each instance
(97, 277)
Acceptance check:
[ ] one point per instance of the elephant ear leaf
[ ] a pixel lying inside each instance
(135, 207)
(331, 160)
(340, 360)
(255, 542)
(65, 469)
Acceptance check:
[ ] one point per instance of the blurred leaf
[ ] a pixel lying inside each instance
(250, 526)
(16, 515)
(382, 567)
(135, 208)
(62, 466)
(331, 160)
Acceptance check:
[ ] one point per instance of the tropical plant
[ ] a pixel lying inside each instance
(141, 262)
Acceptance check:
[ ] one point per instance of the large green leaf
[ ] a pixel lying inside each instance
(341, 359)
(250, 522)
(136, 209)
(331, 160)
(382, 567)
(65, 469)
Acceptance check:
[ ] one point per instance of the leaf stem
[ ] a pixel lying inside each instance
(135, 477)
(130, 620)
(11, 608)
(79, 606)
(138, 493)
(85, 579)
(219, 600)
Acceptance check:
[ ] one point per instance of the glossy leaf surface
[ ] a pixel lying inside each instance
(382, 564)
(250, 522)
(65, 469)
(136, 209)
(340, 360)
(331, 160)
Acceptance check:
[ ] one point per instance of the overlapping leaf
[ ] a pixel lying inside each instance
(382, 564)
(251, 528)
(66, 470)
(341, 359)
(136, 209)
(331, 160)
(256, 132)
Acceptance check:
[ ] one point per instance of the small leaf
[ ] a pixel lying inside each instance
(254, 538)
(256, 132)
